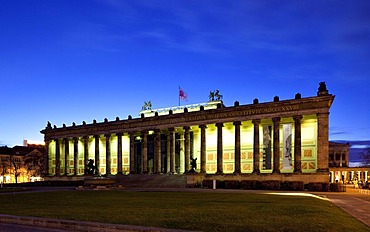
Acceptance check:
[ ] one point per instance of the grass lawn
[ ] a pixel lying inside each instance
(186, 210)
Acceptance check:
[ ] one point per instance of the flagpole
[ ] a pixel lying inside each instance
(179, 95)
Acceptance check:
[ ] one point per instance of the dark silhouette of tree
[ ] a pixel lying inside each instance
(365, 156)
(16, 165)
(4, 164)
(35, 163)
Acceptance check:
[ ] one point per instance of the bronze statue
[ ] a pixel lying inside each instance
(215, 95)
(147, 105)
(193, 164)
(91, 169)
(218, 95)
(211, 96)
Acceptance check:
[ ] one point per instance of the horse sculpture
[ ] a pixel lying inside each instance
(215, 95)
(147, 105)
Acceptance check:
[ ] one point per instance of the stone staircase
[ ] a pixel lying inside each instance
(151, 181)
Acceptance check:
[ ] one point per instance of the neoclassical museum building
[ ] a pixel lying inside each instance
(281, 140)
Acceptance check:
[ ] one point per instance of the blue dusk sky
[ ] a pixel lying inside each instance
(71, 61)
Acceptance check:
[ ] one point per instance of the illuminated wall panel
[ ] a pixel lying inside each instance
(91, 148)
(102, 155)
(52, 157)
(246, 142)
(80, 165)
(211, 149)
(114, 154)
(228, 140)
(196, 146)
(126, 154)
(309, 144)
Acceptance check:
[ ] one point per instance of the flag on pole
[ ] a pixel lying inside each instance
(182, 94)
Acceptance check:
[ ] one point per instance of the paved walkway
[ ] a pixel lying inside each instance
(354, 203)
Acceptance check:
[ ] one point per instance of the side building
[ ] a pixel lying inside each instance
(340, 171)
(282, 140)
(13, 167)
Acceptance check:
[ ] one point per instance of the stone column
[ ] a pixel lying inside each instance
(237, 169)
(107, 155)
(341, 159)
(187, 148)
(86, 154)
(144, 152)
(66, 155)
(46, 155)
(181, 168)
(75, 156)
(97, 160)
(359, 175)
(276, 144)
(132, 154)
(256, 146)
(297, 144)
(203, 151)
(219, 149)
(322, 142)
(172, 150)
(157, 152)
(119, 153)
(57, 158)
(168, 152)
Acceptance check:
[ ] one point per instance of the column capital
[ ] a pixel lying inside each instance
(75, 139)
(237, 123)
(86, 137)
(186, 128)
(297, 117)
(276, 120)
(96, 136)
(171, 129)
(119, 134)
(202, 126)
(256, 121)
(220, 124)
(107, 135)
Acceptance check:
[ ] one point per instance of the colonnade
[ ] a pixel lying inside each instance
(349, 176)
(170, 134)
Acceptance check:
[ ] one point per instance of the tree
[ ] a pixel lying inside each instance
(365, 156)
(16, 163)
(35, 163)
(3, 169)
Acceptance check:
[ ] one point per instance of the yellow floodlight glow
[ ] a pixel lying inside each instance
(300, 195)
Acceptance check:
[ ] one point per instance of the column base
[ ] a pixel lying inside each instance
(297, 171)
(219, 173)
(256, 172)
(276, 172)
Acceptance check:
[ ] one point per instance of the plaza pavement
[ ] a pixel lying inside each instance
(351, 201)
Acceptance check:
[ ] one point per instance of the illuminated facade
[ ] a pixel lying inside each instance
(284, 140)
(12, 166)
(339, 166)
